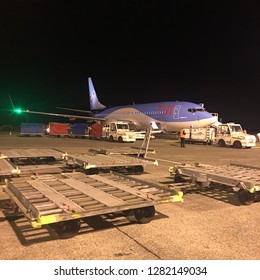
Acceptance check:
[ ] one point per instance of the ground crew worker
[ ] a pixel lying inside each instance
(182, 136)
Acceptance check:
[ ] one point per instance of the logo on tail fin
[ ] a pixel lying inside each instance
(93, 100)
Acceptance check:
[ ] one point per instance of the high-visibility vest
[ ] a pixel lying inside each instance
(182, 135)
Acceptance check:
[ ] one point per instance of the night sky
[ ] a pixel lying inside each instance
(135, 51)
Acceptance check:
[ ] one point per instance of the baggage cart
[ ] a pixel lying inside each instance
(62, 200)
(245, 180)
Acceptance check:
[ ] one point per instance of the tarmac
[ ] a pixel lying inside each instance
(210, 224)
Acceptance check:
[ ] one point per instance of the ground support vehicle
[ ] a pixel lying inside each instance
(141, 134)
(62, 198)
(114, 131)
(128, 151)
(18, 161)
(117, 162)
(118, 131)
(58, 129)
(79, 130)
(232, 135)
(32, 129)
(96, 131)
(245, 180)
(205, 135)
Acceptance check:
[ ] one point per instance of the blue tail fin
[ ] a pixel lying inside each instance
(93, 100)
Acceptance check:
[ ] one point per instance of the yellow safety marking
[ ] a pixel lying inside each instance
(6, 182)
(76, 216)
(44, 220)
(175, 198)
(171, 169)
(178, 197)
(252, 190)
(49, 219)
(3, 156)
(35, 224)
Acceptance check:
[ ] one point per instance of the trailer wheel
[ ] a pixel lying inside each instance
(139, 169)
(111, 138)
(67, 229)
(92, 171)
(246, 197)
(221, 143)
(237, 145)
(144, 215)
(178, 178)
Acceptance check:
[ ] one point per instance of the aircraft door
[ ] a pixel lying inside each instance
(176, 112)
(155, 125)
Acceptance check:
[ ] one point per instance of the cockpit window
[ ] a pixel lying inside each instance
(194, 110)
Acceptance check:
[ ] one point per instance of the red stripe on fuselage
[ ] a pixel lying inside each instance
(166, 109)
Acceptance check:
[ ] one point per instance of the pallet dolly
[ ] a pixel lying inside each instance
(245, 180)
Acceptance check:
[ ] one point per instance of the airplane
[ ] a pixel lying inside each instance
(168, 116)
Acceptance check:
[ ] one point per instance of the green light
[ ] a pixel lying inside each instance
(18, 110)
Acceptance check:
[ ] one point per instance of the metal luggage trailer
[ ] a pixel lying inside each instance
(94, 163)
(61, 200)
(16, 161)
(245, 180)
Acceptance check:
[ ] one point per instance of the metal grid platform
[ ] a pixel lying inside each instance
(101, 161)
(6, 168)
(50, 199)
(16, 161)
(243, 179)
(31, 153)
(20, 161)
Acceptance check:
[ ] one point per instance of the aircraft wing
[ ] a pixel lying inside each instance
(65, 116)
(75, 110)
